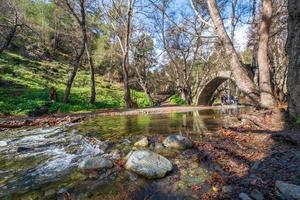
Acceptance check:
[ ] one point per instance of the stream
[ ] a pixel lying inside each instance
(42, 163)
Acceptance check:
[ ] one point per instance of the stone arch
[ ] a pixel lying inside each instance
(211, 85)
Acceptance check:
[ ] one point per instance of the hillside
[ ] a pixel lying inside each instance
(25, 83)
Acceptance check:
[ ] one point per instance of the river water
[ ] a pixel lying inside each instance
(42, 163)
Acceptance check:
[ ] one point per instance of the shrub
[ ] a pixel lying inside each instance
(176, 99)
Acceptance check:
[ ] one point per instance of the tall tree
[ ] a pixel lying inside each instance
(143, 62)
(121, 24)
(10, 21)
(293, 49)
(81, 20)
(240, 73)
(266, 93)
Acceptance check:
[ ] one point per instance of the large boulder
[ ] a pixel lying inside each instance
(143, 142)
(148, 164)
(287, 191)
(177, 142)
(95, 163)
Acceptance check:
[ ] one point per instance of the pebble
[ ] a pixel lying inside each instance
(257, 195)
(244, 196)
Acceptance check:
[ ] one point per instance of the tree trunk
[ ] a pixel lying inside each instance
(293, 48)
(93, 85)
(266, 94)
(72, 76)
(79, 55)
(9, 38)
(243, 81)
(187, 94)
(127, 97)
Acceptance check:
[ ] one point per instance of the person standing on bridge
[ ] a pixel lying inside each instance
(236, 100)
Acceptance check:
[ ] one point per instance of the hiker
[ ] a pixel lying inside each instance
(236, 100)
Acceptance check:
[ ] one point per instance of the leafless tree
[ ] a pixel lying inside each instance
(11, 20)
(119, 15)
(80, 17)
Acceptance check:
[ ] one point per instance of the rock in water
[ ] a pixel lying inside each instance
(142, 142)
(257, 195)
(148, 164)
(177, 142)
(94, 163)
(288, 191)
(244, 196)
(3, 143)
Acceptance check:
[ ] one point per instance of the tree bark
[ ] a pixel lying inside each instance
(266, 94)
(81, 51)
(11, 34)
(92, 68)
(87, 49)
(187, 94)
(127, 96)
(243, 81)
(293, 49)
(72, 75)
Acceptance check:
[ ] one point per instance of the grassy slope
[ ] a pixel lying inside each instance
(24, 86)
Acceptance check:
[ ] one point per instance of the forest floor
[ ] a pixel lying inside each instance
(248, 155)
(252, 153)
(25, 84)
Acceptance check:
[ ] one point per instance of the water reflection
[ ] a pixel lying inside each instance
(230, 110)
(192, 124)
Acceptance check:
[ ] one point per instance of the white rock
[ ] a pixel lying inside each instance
(93, 163)
(148, 164)
(3, 143)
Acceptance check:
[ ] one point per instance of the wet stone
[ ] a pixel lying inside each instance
(244, 196)
(227, 189)
(3, 143)
(148, 164)
(177, 142)
(143, 142)
(21, 149)
(257, 195)
(125, 141)
(287, 191)
(94, 163)
(115, 154)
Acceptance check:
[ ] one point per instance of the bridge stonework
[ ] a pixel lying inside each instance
(211, 85)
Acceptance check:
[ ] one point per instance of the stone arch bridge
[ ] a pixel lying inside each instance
(211, 84)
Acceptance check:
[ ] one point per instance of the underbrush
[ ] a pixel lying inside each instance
(25, 84)
(176, 99)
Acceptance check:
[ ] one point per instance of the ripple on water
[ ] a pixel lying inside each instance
(43, 159)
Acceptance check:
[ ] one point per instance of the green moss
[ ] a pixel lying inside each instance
(25, 83)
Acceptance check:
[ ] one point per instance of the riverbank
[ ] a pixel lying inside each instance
(258, 157)
(252, 154)
(55, 119)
